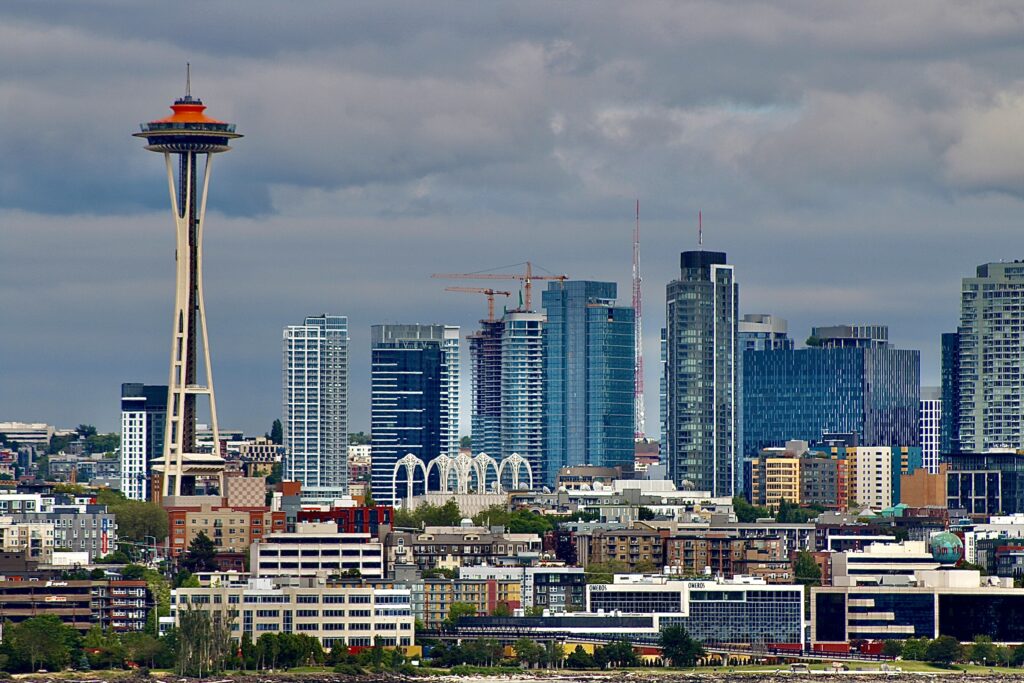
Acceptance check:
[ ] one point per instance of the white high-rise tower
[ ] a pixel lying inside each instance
(315, 407)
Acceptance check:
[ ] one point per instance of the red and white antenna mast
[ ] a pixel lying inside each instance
(638, 336)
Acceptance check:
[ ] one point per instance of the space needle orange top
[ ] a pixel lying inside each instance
(188, 129)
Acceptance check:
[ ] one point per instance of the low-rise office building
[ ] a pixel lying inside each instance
(335, 614)
(743, 610)
(317, 549)
(957, 603)
(111, 605)
(882, 563)
(559, 589)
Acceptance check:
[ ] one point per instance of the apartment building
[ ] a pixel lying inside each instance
(317, 549)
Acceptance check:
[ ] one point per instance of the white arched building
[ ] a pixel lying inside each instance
(462, 474)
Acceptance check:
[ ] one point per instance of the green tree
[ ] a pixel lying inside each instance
(944, 650)
(104, 649)
(143, 648)
(892, 648)
(136, 519)
(457, 611)
(679, 647)
(133, 572)
(102, 443)
(276, 473)
(58, 443)
(358, 439)
(806, 570)
(528, 652)
(916, 649)
(580, 659)
(201, 555)
(502, 610)
(85, 431)
(466, 442)
(745, 512)
(603, 572)
(204, 644)
(982, 651)
(276, 433)
(554, 654)
(618, 653)
(42, 642)
(429, 515)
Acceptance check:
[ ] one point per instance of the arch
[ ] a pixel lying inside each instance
(464, 467)
(411, 463)
(443, 464)
(516, 463)
(484, 463)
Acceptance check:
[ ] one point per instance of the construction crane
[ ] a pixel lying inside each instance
(526, 278)
(481, 290)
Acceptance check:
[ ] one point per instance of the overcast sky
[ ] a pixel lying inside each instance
(854, 160)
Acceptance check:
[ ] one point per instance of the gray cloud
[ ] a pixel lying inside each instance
(855, 160)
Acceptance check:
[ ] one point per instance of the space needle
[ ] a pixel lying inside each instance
(188, 134)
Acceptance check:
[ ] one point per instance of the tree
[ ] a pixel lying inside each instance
(201, 555)
(104, 649)
(603, 572)
(85, 431)
(528, 652)
(429, 515)
(892, 648)
(554, 654)
(136, 519)
(203, 644)
(358, 439)
(457, 611)
(276, 433)
(42, 641)
(806, 570)
(982, 651)
(502, 610)
(679, 647)
(916, 649)
(102, 443)
(944, 650)
(133, 572)
(745, 512)
(580, 659)
(143, 648)
(368, 500)
(466, 442)
(618, 653)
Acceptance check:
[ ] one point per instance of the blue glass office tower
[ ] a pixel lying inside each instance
(701, 372)
(588, 377)
(870, 390)
(413, 369)
(949, 423)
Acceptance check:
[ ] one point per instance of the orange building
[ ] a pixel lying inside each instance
(923, 489)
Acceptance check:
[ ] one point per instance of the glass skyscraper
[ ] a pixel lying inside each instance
(485, 360)
(949, 427)
(838, 386)
(991, 358)
(315, 407)
(701, 373)
(588, 377)
(414, 399)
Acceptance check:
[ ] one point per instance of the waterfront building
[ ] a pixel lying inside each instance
(414, 399)
(112, 605)
(315, 406)
(743, 610)
(353, 616)
(589, 380)
(946, 602)
(143, 419)
(555, 588)
(701, 374)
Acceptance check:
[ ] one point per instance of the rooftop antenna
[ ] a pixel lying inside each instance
(188, 80)
(700, 229)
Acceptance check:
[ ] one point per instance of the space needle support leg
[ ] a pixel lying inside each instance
(202, 317)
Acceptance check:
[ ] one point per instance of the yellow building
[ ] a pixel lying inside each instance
(782, 480)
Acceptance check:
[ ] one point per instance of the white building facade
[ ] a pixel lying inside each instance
(315, 406)
(930, 421)
(317, 549)
(522, 389)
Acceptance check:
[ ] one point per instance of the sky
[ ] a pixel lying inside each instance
(854, 159)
